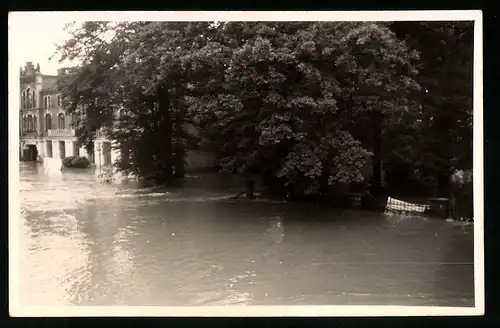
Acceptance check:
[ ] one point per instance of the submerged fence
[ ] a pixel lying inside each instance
(459, 208)
(401, 207)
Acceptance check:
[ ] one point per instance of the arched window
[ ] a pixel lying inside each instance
(60, 118)
(48, 122)
(30, 123)
(47, 102)
(23, 102)
(34, 99)
(28, 92)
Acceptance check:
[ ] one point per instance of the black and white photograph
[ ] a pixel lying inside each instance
(245, 163)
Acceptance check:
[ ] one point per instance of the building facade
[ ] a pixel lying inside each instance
(47, 133)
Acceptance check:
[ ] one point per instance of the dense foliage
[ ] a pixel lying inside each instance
(302, 105)
(77, 162)
(442, 140)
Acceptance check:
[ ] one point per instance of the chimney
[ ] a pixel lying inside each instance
(30, 69)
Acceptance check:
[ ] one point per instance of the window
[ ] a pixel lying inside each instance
(34, 99)
(48, 122)
(106, 151)
(62, 149)
(49, 148)
(50, 101)
(28, 92)
(76, 148)
(47, 102)
(125, 155)
(91, 156)
(25, 123)
(30, 123)
(60, 119)
(23, 102)
(59, 101)
(35, 123)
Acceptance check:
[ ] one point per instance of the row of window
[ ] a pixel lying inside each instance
(106, 151)
(62, 149)
(47, 101)
(30, 123)
(29, 100)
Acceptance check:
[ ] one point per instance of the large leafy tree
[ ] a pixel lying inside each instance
(89, 89)
(443, 136)
(131, 83)
(289, 99)
(302, 105)
(376, 72)
(155, 72)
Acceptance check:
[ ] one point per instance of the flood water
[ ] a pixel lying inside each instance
(88, 243)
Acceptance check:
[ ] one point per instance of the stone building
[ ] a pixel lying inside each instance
(46, 132)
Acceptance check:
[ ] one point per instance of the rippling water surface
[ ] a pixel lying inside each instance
(87, 243)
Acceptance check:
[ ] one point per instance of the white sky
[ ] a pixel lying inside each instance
(37, 31)
(32, 39)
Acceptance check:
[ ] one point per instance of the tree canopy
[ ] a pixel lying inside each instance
(302, 105)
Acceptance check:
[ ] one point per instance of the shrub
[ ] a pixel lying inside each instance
(76, 162)
(66, 162)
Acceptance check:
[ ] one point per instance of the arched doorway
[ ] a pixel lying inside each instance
(30, 153)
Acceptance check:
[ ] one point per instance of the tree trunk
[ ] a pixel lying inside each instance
(250, 188)
(443, 184)
(165, 142)
(324, 186)
(376, 185)
(179, 167)
(179, 153)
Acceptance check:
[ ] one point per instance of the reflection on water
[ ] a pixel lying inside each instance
(87, 243)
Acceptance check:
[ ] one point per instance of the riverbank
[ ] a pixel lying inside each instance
(232, 187)
(227, 186)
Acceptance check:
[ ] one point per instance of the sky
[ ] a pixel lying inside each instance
(32, 39)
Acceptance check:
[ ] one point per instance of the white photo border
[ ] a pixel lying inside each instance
(19, 19)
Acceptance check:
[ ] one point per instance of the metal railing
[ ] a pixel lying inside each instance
(61, 133)
(29, 133)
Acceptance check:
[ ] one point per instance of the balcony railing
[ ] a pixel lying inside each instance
(61, 133)
(29, 134)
